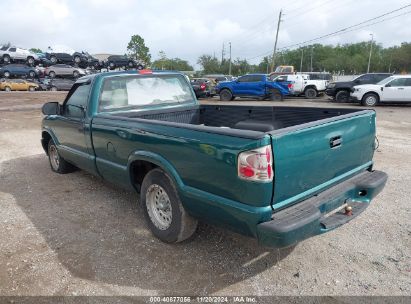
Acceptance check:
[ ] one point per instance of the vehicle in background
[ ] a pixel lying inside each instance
(278, 174)
(64, 70)
(18, 85)
(60, 84)
(15, 54)
(219, 77)
(200, 88)
(319, 76)
(253, 86)
(119, 61)
(283, 70)
(303, 85)
(13, 70)
(43, 84)
(84, 59)
(396, 88)
(42, 60)
(340, 90)
(210, 85)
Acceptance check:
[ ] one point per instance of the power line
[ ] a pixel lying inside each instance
(341, 31)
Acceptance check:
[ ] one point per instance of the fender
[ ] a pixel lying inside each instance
(53, 137)
(157, 160)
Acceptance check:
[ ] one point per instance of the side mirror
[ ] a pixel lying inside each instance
(51, 108)
(387, 85)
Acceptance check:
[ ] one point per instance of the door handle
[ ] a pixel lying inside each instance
(400, 88)
(335, 142)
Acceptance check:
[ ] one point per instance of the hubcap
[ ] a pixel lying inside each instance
(159, 207)
(54, 157)
(370, 100)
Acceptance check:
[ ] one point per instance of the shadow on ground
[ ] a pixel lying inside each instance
(99, 234)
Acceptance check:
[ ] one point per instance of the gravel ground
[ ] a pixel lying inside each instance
(78, 235)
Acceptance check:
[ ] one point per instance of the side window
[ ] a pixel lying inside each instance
(244, 79)
(77, 101)
(255, 78)
(399, 82)
(380, 77)
(12, 49)
(408, 82)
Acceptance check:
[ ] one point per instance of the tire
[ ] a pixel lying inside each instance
(111, 65)
(275, 95)
(370, 100)
(52, 74)
(140, 67)
(6, 59)
(57, 163)
(130, 64)
(342, 96)
(226, 95)
(76, 74)
(54, 89)
(30, 61)
(53, 59)
(163, 210)
(32, 74)
(32, 89)
(6, 74)
(77, 59)
(310, 93)
(7, 89)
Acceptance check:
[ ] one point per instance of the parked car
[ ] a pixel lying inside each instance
(303, 85)
(340, 90)
(252, 86)
(279, 174)
(60, 84)
(84, 59)
(119, 61)
(396, 88)
(63, 58)
(202, 87)
(18, 54)
(64, 70)
(211, 84)
(43, 84)
(219, 77)
(12, 70)
(18, 85)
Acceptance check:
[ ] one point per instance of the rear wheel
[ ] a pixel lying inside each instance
(111, 65)
(163, 210)
(76, 74)
(310, 93)
(275, 95)
(6, 74)
(226, 95)
(370, 100)
(7, 89)
(53, 88)
(30, 60)
(130, 64)
(52, 74)
(32, 89)
(140, 67)
(57, 163)
(342, 96)
(77, 59)
(32, 74)
(53, 59)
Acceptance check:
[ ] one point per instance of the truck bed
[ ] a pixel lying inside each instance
(260, 119)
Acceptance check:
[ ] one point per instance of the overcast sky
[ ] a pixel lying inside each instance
(188, 29)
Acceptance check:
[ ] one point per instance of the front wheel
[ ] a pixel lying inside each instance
(275, 95)
(370, 100)
(226, 95)
(30, 61)
(57, 163)
(52, 74)
(76, 74)
(163, 210)
(32, 74)
(53, 88)
(32, 89)
(310, 93)
(342, 96)
(7, 89)
(6, 59)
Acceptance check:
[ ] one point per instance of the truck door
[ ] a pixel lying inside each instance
(395, 90)
(250, 85)
(70, 130)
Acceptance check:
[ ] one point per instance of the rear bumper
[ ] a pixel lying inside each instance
(313, 216)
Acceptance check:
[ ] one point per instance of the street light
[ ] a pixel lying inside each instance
(369, 57)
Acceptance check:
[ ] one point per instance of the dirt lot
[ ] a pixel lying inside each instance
(77, 235)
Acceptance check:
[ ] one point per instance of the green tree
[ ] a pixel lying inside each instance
(137, 49)
(210, 64)
(164, 63)
(35, 50)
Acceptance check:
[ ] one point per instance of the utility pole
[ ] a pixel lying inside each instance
(276, 39)
(229, 65)
(311, 64)
(369, 58)
(301, 63)
(222, 54)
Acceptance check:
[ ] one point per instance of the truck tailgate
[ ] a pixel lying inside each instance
(312, 157)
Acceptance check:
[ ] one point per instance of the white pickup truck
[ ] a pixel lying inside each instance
(303, 85)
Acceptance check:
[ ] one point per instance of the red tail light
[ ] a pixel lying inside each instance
(290, 85)
(256, 165)
(202, 87)
(144, 72)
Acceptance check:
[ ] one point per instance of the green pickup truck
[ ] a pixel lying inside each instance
(279, 174)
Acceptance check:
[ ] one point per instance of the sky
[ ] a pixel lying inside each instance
(189, 29)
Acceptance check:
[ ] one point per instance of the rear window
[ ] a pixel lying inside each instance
(140, 91)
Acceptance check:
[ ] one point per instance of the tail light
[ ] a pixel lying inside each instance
(256, 165)
(290, 86)
(145, 72)
(202, 87)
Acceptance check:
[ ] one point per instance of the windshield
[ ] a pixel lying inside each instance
(139, 91)
(386, 80)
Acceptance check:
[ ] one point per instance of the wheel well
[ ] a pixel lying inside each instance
(227, 89)
(45, 138)
(339, 90)
(373, 93)
(310, 87)
(138, 170)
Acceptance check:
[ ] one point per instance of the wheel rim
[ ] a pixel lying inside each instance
(31, 89)
(8, 89)
(6, 59)
(225, 95)
(31, 60)
(54, 89)
(311, 93)
(31, 74)
(275, 95)
(370, 100)
(77, 59)
(159, 207)
(6, 74)
(52, 74)
(343, 97)
(54, 157)
(53, 59)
